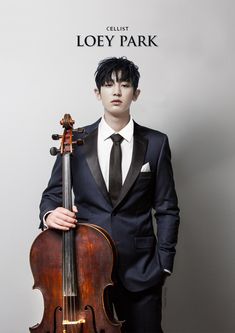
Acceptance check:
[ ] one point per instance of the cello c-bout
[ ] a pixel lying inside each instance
(73, 269)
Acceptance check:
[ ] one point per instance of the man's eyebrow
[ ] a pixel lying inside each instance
(124, 80)
(119, 80)
(108, 80)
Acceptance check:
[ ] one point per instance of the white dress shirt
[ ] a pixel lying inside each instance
(104, 146)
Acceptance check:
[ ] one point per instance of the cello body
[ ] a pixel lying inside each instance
(91, 302)
(73, 269)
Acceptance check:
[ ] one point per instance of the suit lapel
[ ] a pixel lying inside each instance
(90, 147)
(139, 151)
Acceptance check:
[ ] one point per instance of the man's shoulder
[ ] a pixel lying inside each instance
(91, 127)
(87, 129)
(149, 132)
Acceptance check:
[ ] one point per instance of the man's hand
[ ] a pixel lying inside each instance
(62, 218)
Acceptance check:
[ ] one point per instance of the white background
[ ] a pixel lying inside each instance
(187, 88)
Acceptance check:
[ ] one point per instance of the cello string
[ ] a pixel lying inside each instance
(63, 281)
(73, 280)
(69, 275)
(66, 279)
(73, 276)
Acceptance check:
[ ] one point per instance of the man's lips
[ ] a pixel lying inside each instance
(116, 101)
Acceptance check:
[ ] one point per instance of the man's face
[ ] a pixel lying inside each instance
(117, 95)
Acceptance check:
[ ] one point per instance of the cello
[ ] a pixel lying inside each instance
(73, 269)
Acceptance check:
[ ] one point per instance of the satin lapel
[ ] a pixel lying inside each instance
(139, 150)
(90, 147)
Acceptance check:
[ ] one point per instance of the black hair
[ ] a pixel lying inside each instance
(106, 67)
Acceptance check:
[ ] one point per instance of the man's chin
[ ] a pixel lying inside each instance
(117, 113)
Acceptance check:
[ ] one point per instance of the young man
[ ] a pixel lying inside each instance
(117, 181)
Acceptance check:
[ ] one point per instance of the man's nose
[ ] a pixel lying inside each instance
(117, 90)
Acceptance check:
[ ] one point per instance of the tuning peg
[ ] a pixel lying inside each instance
(78, 142)
(56, 136)
(54, 151)
(79, 130)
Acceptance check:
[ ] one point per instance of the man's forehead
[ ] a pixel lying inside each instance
(118, 76)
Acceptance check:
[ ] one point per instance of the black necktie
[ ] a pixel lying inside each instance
(115, 168)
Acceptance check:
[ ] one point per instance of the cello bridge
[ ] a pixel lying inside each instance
(74, 322)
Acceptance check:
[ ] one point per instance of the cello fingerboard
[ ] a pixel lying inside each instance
(69, 266)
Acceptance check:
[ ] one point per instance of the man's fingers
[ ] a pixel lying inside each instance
(65, 224)
(62, 219)
(75, 210)
(58, 226)
(65, 218)
(64, 211)
(65, 215)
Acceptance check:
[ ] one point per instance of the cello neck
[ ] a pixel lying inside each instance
(66, 181)
(68, 244)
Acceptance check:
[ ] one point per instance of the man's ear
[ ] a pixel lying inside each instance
(97, 93)
(136, 95)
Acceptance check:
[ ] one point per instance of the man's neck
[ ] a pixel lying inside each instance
(117, 123)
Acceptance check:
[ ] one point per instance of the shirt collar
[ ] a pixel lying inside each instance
(105, 131)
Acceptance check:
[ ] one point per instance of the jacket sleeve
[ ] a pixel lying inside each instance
(166, 207)
(52, 195)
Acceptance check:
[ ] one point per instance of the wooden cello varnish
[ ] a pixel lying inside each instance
(73, 269)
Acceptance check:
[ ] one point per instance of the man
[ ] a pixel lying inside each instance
(117, 181)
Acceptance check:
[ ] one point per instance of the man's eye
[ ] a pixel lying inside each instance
(108, 84)
(125, 85)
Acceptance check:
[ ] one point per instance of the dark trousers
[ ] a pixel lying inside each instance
(142, 311)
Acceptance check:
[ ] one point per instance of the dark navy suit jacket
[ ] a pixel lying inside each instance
(142, 256)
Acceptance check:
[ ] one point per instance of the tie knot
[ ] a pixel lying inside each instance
(117, 138)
